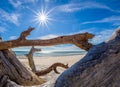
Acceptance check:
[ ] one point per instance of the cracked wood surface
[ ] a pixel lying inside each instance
(99, 68)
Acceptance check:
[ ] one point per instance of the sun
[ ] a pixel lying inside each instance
(43, 17)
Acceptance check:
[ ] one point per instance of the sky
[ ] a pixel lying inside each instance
(62, 17)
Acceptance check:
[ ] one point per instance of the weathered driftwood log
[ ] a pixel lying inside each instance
(10, 65)
(80, 40)
(5, 82)
(99, 68)
(12, 68)
(52, 67)
(30, 58)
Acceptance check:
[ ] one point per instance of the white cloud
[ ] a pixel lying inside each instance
(116, 24)
(67, 48)
(48, 36)
(112, 19)
(18, 3)
(10, 17)
(21, 49)
(14, 18)
(71, 7)
(15, 3)
(102, 36)
(3, 29)
(89, 30)
(13, 37)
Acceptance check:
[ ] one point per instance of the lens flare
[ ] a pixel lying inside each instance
(43, 17)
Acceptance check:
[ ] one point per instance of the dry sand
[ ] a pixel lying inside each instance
(44, 62)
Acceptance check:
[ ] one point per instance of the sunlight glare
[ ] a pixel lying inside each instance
(43, 17)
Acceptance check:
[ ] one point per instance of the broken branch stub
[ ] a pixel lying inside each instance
(24, 34)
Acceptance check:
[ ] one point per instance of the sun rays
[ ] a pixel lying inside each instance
(43, 17)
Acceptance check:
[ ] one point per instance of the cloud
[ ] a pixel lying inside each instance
(18, 3)
(102, 36)
(111, 19)
(13, 37)
(116, 23)
(72, 7)
(15, 3)
(9, 17)
(48, 36)
(3, 29)
(66, 48)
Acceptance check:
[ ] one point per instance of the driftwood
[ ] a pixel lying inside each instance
(80, 40)
(99, 68)
(5, 82)
(11, 67)
(45, 71)
(52, 67)
(30, 58)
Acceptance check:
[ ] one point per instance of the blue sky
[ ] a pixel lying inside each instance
(100, 17)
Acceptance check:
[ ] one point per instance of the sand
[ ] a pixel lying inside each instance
(44, 62)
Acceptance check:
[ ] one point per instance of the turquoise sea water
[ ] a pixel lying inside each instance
(56, 53)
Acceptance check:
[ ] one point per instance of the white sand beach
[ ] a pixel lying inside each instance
(44, 62)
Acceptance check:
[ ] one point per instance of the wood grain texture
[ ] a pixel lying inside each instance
(99, 68)
(80, 40)
(16, 72)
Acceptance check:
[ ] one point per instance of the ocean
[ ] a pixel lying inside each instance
(55, 53)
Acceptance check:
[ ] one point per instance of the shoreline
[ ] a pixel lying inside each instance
(23, 56)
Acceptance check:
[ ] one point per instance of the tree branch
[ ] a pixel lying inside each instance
(80, 40)
(24, 34)
(30, 58)
(52, 67)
